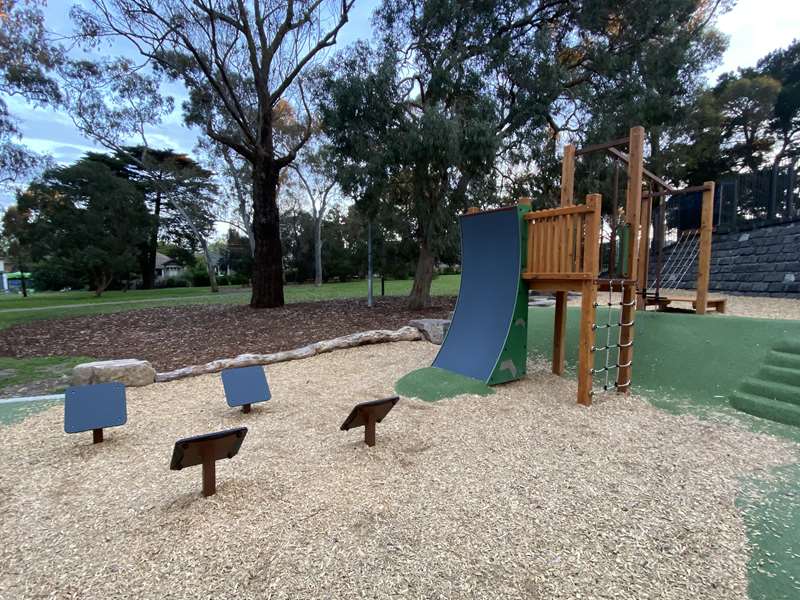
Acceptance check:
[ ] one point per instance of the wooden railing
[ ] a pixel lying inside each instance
(564, 243)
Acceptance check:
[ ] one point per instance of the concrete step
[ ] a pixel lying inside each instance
(790, 346)
(774, 410)
(783, 375)
(771, 390)
(783, 359)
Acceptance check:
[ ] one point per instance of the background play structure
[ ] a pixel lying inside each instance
(507, 252)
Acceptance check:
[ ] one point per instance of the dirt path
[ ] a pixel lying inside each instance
(178, 336)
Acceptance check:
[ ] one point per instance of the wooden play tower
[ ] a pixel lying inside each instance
(564, 256)
(564, 248)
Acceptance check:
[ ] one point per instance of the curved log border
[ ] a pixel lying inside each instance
(376, 336)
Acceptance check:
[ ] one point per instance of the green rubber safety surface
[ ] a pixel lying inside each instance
(14, 412)
(431, 384)
(693, 364)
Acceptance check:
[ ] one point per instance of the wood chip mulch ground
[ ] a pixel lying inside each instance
(175, 337)
(519, 495)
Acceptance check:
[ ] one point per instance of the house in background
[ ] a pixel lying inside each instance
(167, 267)
(220, 266)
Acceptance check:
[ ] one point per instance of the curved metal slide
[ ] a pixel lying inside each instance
(487, 339)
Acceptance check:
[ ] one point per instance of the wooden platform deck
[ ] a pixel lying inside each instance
(665, 302)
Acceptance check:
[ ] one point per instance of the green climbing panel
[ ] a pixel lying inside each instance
(512, 363)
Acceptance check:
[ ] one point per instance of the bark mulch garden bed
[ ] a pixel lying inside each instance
(186, 335)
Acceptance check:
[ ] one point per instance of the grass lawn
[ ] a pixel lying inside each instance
(45, 373)
(52, 305)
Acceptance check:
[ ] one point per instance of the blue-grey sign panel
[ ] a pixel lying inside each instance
(88, 407)
(490, 273)
(245, 385)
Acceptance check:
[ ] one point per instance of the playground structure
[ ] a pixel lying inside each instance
(564, 250)
(690, 249)
(509, 251)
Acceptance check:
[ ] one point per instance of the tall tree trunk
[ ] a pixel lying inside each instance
(151, 249)
(369, 263)
(248, 226)
(22, 279)
(318, 249)
(212, 276)
(268, 259)
(247, 222)
(104, 279)
(198, 236)
(420, 296)
(790, 211)
(773, 186)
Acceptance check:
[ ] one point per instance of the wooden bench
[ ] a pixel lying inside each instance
(663, 303)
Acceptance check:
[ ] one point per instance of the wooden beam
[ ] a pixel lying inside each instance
(560, 333)
(556, 285)
(557, 275)
(592, 240)
(633, 200)
(649, 174)
(674, 192)
(704, 260)
(627, 315)
(585, 355)
(588, 296)
(602, 146)
(557, 212)
(644, 250)
(568, 175)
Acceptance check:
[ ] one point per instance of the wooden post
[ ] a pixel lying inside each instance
(588, 298)
(97, 436)
(246, 408)
(612, 250)
(568, 175)
(560, 333)
(662, 232)
(369, 429)
(644, 251)
(209, 476)
(627, 315)
(560, 322)
(633, 200)
(704, 260)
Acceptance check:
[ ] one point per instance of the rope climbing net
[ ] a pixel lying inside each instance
(679, 262)
(613, 341)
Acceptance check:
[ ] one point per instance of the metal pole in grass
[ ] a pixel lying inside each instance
(369, 263)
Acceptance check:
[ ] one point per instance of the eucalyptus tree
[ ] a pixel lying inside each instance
(784, 66)
(421, 118)
(27, 61)
(315, 177)
(238, 61)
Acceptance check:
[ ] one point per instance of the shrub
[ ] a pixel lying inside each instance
(50, 276)
(173, 282)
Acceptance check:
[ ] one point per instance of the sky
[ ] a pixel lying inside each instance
(754, 27)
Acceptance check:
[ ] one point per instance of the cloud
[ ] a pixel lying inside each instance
(757, 28)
